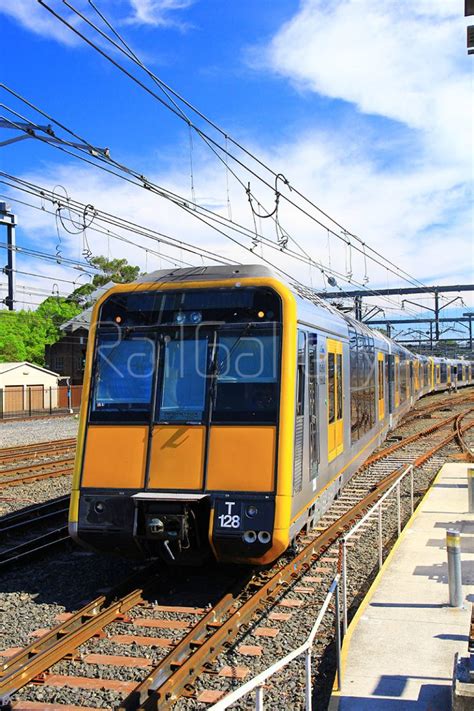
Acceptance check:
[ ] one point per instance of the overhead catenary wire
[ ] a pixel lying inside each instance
(184, 204)
(180, 114)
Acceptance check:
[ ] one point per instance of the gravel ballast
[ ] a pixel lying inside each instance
(35, 593)
(17, 432)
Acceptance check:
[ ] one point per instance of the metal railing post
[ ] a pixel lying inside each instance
(259, 698)
(399, 512)
(470, 488)
(380, 538)
(411, 489)
(453, 547)
(344, 584)
(338, 639)
(308, 685)
(50, 400)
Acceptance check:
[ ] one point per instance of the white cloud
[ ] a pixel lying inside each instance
(31, 16)
(399, 59)
(157, 13)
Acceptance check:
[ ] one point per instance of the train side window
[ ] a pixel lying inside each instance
(331, 387)
(381, 380)
(339, 385)
(299, 419)
(300, 375)
(313, 403)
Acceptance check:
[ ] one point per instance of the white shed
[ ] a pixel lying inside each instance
(26, 387)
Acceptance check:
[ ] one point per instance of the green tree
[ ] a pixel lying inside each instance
(116, 270)
(24, 334)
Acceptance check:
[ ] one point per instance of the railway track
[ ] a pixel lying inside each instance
(30, 463)
(202, 636)
(33, 530)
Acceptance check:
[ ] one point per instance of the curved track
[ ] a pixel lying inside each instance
(250, 597)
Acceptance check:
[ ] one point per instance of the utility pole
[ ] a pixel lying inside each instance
(8, 219)
(436, 313)
(469, 316)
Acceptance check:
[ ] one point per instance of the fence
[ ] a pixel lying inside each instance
(373, 516)
(258, 682)
(36, 400)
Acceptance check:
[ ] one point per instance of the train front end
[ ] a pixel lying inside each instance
(186, 433)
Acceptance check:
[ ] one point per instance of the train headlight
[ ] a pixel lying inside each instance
(264, 536)
(180, 317)
(249, 536)
(99, 507)
(251, 511)
(196, 317)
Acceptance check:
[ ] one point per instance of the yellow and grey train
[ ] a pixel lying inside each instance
(224, 410)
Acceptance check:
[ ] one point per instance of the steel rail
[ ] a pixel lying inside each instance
(35, 467)
(459, 435)
(163, 686)
(11, 454)
(30, 515)
(427, 409)
(35, 477)
(41, 654)
(39, 544)
(174, 675)
(408, 440)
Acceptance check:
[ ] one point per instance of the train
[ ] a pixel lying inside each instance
(225, 409)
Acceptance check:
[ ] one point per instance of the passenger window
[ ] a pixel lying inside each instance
(381, 383)
(339, 385)
(300, 386)
(331, 388)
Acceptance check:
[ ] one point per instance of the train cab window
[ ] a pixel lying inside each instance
(123, 377)
(247, 376)
(182, 395)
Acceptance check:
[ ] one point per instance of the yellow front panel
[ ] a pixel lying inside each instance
(177, 457)
(115, 456)
(241, 458)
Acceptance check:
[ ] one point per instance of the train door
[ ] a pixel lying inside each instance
(300, 410)
(313, 404)
(334, 393)
(448, 374)
(381, 395)
(416, 374)
(397, 381)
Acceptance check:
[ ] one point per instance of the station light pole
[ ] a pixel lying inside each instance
(8, 219)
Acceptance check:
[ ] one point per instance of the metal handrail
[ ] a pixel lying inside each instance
(377, 507)
(258, 681)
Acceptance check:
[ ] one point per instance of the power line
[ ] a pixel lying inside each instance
(204, 217)
(346, 234)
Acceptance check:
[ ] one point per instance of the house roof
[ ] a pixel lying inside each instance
(83, 320)
(5, 367)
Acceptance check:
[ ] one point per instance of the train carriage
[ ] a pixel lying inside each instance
(224, 410)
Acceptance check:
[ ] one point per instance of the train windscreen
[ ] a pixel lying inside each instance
(188, 357)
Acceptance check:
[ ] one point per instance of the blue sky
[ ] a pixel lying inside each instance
(364, 106)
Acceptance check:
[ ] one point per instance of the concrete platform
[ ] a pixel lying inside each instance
(399, 651)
